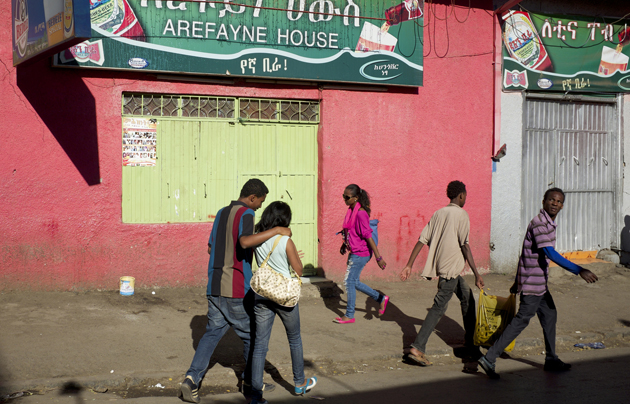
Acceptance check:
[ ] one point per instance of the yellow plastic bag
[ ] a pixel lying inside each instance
(493, 315)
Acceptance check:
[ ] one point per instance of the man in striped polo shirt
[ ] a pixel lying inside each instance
(230, 301)
(531, 282)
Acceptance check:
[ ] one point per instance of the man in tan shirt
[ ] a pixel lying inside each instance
(446, 234)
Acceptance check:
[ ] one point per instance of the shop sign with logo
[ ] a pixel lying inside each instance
(352, 41)
(565, 53)
(43, 27)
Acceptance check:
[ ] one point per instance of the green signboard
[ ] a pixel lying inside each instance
(565, 53)
(352, 41)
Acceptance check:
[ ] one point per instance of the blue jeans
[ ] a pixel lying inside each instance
(223, 313)
(265, 312)
(353, 273)
(446, 288)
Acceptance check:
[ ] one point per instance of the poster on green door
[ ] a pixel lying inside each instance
(349, 41)
(565, 53)
(139, 143)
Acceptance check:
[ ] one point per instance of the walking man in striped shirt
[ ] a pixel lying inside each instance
(230, 300)
(531, 282)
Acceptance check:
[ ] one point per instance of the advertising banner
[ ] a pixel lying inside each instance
(565, 53)
(44, 27)
(351, 41)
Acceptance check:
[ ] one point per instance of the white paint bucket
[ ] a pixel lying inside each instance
(126, 285)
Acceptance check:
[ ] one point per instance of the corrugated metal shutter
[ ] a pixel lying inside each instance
(573, 146)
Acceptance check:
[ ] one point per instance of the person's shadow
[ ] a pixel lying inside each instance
(447, 329)
(229, 354)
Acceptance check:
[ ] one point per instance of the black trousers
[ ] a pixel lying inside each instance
(545, 308)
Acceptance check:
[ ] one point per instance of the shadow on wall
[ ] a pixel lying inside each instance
(67, 108)
(624, 254)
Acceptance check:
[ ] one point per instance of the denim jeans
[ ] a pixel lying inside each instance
(223, 313)
(265, 312)
(353, 273)
(545, 308)
(446, 288)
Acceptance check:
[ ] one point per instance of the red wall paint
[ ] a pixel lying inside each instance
(60, 175)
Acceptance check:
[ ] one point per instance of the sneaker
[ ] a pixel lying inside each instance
(189, 391)
(488, 368)
(556, 365)
(308, 386)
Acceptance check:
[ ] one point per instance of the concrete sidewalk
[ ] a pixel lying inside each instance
(130, 344)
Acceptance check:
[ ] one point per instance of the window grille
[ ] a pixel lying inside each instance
(179, 106)
(279, 110)
(203, 107)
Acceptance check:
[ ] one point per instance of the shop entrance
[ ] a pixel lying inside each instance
(207, 148)
(574, 146)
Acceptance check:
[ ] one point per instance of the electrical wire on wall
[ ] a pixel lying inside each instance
(430, 22)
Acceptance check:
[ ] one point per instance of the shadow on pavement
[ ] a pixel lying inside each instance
(229, 354)
(597, 381)
(4, 377)
(74, 389)
(447, 329)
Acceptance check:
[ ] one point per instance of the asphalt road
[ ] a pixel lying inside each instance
(598, 376)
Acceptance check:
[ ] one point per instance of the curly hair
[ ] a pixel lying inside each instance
(254, 187)
(455, 188)
(558, 190)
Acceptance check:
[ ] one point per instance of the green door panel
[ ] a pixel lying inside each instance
(180, 183)
(217, 167)
(141, 202)
(284, 157)
(203, 163)
(257, 149)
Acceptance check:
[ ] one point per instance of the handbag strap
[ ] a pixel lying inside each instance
(275, 244)
(291, 270)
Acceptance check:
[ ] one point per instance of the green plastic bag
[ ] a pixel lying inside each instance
(493, 315)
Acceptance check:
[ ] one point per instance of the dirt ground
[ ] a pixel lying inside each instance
(129, 344)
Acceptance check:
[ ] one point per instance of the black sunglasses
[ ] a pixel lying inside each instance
(346, 197)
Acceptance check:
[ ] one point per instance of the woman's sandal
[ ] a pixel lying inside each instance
(385, 301)
(338, 320)
(419, 359)
(310, 383)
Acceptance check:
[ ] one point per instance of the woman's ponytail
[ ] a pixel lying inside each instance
(362, 197)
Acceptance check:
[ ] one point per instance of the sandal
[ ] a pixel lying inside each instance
(338, 320)
(310, 383)
(419, 359)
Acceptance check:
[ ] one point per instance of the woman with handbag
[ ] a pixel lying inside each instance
(357, 235)
(280, 254)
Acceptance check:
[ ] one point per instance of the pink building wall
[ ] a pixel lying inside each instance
(60, 172)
